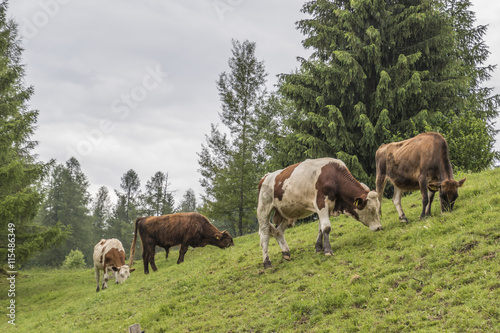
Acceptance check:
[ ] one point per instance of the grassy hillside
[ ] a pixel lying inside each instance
(439, 275)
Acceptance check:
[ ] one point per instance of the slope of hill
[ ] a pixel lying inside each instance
(440, 274)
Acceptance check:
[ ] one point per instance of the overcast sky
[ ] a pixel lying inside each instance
(131, 84)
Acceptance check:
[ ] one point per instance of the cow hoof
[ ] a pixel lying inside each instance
(267, 263)
(328, 253)
(286, 255)
(403, 220)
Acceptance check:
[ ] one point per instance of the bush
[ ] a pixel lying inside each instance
(470, 144)
(74, 260)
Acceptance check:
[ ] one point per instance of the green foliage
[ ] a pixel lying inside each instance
(101, 210)
(436, 275)
(188, 203)
(481, 107)
(379, 70)
(20, 173)
(74, 260)
(66, 203)
(470, 146)
(158, 199)
(231, 167)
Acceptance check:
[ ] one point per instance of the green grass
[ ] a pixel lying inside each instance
(437, 275)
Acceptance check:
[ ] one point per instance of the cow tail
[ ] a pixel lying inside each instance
(132, 248)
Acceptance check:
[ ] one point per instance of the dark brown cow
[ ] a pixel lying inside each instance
(420, 163)
(186, 229)
(323, 186)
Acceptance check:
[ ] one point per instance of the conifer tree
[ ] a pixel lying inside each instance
(67, 203)
(20, 173)
(158, 199)
(101, 210)
(471, 133)
(231, 164)
(380, 71)
(188, 203)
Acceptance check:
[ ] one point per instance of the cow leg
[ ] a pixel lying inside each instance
(148, 257)
(105, 278)
(152, 259)
(279, 234)
(167, 249)
(380, 186)
(264, 209)
(182, 252)
(425, 197)
(319, 240)
(325, 227)
(431, 198)
(97, 277)
(145, 259)
(396, 199)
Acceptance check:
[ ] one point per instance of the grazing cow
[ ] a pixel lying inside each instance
(323, 186)
(109, 256)
(421, 163)
(186, 229)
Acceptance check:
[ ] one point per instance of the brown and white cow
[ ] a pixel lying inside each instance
(186, 229)
(420, 163)
(109, 256)
(323, 186)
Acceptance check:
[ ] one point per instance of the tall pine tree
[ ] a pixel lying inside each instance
(231, 164)
(20, 173)
(380, 71)
(101, 211)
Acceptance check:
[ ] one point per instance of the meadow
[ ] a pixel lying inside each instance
(437, 275)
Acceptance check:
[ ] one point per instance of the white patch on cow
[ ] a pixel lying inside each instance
(369, 215)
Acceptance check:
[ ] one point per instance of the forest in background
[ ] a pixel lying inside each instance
(380, 71)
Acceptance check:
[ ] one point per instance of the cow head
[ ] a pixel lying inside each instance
(224, 239)
(448, 192)
(122, 273)
(368, 210)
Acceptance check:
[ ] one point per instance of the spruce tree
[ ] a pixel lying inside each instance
(101, 210)
(158, 199)
(188, 203)
(380, 71)
(471, 133)
(20, 173)
(67, 203)
(231, 163)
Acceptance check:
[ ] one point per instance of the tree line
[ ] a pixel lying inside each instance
(379, 71)
(86, 218)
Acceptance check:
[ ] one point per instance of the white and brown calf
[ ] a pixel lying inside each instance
(109, 256)
(323, 186)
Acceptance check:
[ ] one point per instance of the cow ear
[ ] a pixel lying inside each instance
(461, 182)
(434, 186)
(132, 269)
(114, 268)
(217, 237)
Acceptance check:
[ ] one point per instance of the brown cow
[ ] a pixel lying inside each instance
(323, 186)
(109, 256)
(421, 163)
(186, 229)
